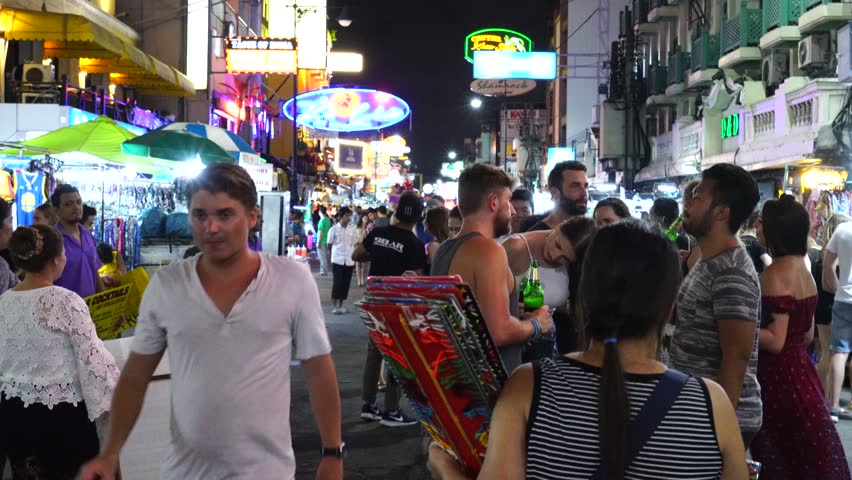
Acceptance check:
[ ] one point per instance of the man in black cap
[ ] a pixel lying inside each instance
(391, 251)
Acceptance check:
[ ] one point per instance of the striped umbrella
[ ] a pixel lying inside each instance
(229, 141)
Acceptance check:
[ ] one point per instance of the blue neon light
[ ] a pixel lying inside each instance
(504, 65)
(348, 109)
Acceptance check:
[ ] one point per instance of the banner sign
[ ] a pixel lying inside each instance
(260, 55)
(502, 88)
(496, 39)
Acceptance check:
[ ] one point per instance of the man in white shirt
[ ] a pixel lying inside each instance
(341, 239)
(231, 319)
(838, 251)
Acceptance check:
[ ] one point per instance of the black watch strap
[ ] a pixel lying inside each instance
(338, 452)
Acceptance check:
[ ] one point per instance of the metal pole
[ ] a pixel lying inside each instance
(209, 58)
(629, 129)
(295, 94)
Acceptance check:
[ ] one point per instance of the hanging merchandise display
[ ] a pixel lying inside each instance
(29, 193)
(7, 185)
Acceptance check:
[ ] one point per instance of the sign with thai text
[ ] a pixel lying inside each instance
(496, 39)
(347, 109)
(260, 55)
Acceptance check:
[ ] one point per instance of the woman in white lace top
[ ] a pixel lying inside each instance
(56, 376)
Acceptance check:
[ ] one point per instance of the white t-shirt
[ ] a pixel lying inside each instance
(231, 375)
(841, 245)
(342, 242)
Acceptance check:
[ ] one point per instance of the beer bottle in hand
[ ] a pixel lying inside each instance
(533, 292)
(674, 229)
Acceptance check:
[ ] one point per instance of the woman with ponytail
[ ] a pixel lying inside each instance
(613, 412)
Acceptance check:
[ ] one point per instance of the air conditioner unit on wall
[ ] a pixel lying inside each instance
(844, 53)
(776, 67)
(814, 51)
(38, 73)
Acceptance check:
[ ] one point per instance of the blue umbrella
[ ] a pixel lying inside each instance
(229, 141)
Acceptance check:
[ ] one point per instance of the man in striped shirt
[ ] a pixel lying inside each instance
(718, 308)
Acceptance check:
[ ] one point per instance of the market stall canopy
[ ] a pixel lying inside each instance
(100, 138)
(99, 51)
(179, 146)
(229, 141)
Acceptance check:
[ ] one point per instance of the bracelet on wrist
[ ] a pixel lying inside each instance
(536, 328)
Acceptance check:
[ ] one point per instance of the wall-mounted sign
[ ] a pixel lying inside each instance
(514, 65)
(309, 18)
(345, 62)
(347, 109)
(731, 126)
(561, 154)
(502, 88)
(496, 39)
(260, 55)
(349, 157)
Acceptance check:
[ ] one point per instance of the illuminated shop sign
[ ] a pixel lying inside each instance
(496, 39)
(260, 55)
(731, 126)
(350, 157)
(347, 109)
(507, 65)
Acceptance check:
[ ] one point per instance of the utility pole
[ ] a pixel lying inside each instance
(629, 127)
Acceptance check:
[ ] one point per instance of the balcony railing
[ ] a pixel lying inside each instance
(678, 64)
(657, 79)
(740, 31)
(780, 13)
(640, 11)
(705, 50)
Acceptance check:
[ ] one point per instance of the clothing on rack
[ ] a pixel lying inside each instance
(29, 193)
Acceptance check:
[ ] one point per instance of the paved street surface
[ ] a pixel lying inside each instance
(375, 452)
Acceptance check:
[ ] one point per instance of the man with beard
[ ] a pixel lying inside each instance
(81, 253)
(718, 307)
(569, 188)
(484, 203)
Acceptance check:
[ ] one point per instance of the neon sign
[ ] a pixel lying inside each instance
(509, 65)
(499, 39)
(347, 109)
(260, 55)
(731, 126)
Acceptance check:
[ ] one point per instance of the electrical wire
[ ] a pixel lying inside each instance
(582, 24)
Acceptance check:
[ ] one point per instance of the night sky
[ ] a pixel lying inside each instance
(415, 50)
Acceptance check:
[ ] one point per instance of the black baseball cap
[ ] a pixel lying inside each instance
(410, 208)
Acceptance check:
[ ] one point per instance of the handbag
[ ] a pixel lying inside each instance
(652, 413)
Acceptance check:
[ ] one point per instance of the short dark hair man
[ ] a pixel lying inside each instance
(719, 303)
(522, 202)
(230, 334)
(391, 250)
(82, 263)
(89, 214)
(484, 202)
(569, 189)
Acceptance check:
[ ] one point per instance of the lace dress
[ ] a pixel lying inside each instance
(56, 377)
(798, 439)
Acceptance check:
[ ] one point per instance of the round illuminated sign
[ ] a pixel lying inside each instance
(347, 109)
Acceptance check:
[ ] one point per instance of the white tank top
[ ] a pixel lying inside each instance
(554, 281)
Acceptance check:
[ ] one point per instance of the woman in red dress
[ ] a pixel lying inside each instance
(798, 440)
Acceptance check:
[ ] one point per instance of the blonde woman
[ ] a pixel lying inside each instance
(822, 316)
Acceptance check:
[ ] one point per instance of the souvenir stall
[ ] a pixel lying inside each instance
(27, 183)
(822, 189)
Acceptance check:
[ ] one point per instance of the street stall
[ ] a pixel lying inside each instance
(822, 189)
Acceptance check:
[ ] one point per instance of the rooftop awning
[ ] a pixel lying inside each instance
(69, 36)
(99, 51)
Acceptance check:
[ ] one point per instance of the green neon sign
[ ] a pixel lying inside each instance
(731, 126)
(500, 39)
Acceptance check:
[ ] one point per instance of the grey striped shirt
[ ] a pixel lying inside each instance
(722, 287)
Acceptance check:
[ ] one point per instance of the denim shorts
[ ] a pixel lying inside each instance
(841, 327)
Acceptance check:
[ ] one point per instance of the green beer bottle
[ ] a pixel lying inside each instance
(533, 292)
(674, 229)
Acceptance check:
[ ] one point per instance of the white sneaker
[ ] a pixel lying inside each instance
(343, 310)
(335, 311)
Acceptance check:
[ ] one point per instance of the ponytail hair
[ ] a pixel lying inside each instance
(631, 273)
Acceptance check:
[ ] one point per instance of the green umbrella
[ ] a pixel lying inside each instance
(177, 146)
(96, 141)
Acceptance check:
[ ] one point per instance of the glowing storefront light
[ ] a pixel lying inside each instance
(260, 55)
(347, 109)
(345, 62)
(496, 39)
(507, 65)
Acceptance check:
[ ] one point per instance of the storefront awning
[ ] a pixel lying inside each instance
(138, 69)
(99, 51)
(68, 36)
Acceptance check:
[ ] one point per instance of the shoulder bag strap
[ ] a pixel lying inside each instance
(651, 415)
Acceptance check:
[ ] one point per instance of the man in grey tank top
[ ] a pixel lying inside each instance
(484, 202)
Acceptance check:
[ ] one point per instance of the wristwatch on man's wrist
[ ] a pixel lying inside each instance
(339, 452)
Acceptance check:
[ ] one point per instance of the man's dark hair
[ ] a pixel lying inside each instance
(554, 179)
(89, 212)
(478, 181)
(322, 209)
(616, 204)
(786, 224)
(227, 178)
(455, 213)
(343, 211)
(56, 196)
(382, 209)
(104, 252)
(734, 188)
(523, 195)
(666, 209)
